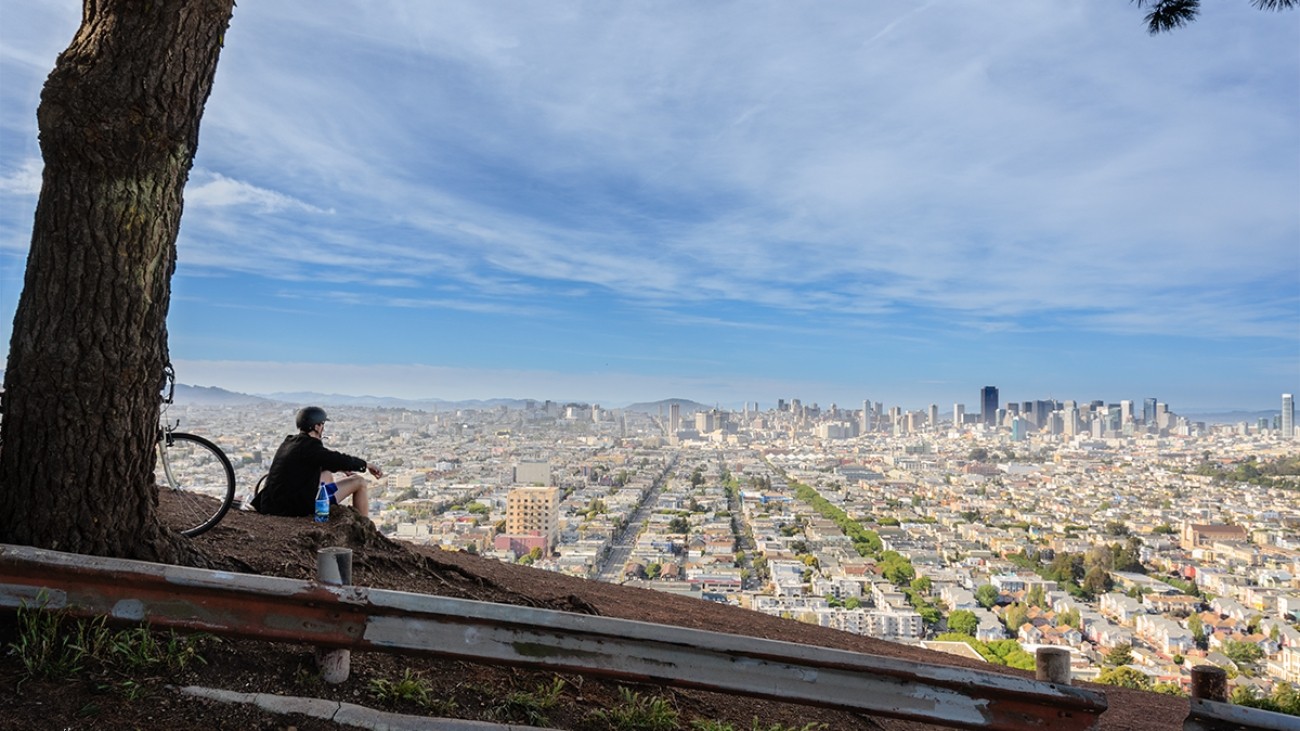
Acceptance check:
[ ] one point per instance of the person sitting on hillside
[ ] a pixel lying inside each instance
(303, 463)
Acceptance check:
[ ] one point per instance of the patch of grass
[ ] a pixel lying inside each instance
(635, 712)
(532, 708)
(53, 645)
(410, 688)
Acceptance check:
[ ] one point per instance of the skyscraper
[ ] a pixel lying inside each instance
(1288, 416)
(958, 415)
(989, 405)
(1149, 411)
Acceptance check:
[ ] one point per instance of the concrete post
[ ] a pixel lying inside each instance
(1209, 683)
(334, 567)
(1053, 665)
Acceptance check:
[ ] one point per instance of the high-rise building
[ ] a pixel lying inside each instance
(533, 511)
(958, 415)
(1126, 411)
(989, 405)
(866, 416)
(674, 418)
(1288, 416)
(933, 417)
(1149, 411)
(1070, 419)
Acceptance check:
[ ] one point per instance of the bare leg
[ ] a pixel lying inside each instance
(356, 487)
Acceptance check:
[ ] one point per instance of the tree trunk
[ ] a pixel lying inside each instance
(119, 125)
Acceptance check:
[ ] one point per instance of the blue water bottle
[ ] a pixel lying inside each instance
(322, 505)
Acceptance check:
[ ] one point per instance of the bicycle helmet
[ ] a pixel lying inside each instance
(307, 418)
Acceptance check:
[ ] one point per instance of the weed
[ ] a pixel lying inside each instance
(52, 646)
(531, 708)
(635, 712)
(411, 688)
(55, 646)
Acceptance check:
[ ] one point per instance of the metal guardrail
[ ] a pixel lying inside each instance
(1210, 712)
(278, 609)
(1207, 715)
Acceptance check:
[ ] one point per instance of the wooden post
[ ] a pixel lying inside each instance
(1053, 665)
(334, 567)
(1209, 683)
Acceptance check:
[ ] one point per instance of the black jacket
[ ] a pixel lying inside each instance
(294, 479)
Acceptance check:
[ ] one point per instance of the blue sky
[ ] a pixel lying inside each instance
(831, 201)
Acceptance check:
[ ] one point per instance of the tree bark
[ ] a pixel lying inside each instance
(119, 125)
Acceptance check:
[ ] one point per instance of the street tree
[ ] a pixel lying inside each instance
(119, 126)
(987, 595)
(963, 622)
(1119, 655)
(1125, 677)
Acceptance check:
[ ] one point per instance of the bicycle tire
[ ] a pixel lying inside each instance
(197, 485)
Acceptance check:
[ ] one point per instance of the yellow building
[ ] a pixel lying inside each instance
(533, 511)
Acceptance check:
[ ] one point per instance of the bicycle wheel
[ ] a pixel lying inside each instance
(197, 486)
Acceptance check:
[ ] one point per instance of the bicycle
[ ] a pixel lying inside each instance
(198, 485)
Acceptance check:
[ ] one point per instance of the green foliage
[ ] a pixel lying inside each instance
(410, 688)
(1116, 528)
(532, 708)
(1243, 653)
(1187, 587)
(1097, 581)
(1283, 472)
(998, 652)
(963, 622)
(1037, 596)
(679, 525)
(52, 645)
(896, 568)
(1119, 655)
(1014, 616)
(1125, 677)
(987, 595)
(637, 713)
(1069, 618)
(867, 543)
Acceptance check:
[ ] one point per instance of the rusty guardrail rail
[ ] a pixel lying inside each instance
(1210, 710)
(288, 610)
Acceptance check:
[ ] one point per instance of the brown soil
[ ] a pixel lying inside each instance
(287, 547)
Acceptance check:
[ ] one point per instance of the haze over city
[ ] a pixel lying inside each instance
(900, 201)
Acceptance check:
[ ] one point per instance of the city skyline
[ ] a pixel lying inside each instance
(825, 201)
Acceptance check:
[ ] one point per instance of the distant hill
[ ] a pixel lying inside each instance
(1232, 417)
(386, 402)
(213, 396)
(686, 406)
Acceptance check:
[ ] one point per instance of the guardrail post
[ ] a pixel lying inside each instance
(1053, 665)
(334, 567)
(1209, 683)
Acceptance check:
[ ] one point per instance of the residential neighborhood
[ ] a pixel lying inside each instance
(1138, 549)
